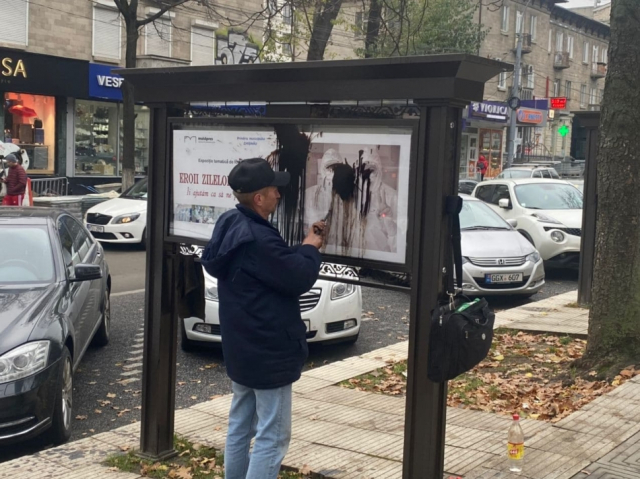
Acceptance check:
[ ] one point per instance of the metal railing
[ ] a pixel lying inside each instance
(50, 186)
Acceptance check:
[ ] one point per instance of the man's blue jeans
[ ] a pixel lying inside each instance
(265, 414)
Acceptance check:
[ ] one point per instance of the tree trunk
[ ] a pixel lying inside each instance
(128, 106)
(373, 28)
(325, 14)
(614, 325)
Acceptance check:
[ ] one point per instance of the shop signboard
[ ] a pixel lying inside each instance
(23, 72)
(103, 84)
(355, 178)
(531, 117)
(489, 110)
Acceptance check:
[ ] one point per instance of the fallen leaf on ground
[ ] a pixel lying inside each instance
(123, 412)
(81, 418)
(111, 395)
(97, 411)
(124, 448)
(306, 470)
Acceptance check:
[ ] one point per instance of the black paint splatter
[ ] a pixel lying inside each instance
(344, 181)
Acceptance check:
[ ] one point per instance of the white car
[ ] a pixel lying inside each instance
(528, 172)
(548, 212)
(497, 260)
(331, 311)
(122, 219)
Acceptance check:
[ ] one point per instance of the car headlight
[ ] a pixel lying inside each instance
(342, 290)
(211, 293)
(465, 260)
(533, 257)
(545, 219)
(557, 236)
(124, 219)
(24, 361)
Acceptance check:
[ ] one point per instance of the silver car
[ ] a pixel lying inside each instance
(497, 260)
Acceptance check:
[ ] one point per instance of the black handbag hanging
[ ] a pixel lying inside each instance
(461, 329)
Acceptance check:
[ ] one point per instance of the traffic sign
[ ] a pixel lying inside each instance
(558, 103)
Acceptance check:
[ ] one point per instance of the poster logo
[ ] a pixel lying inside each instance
(190, 139)
(530, 116)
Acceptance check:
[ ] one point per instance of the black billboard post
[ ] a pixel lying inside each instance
(590, 121)
(437, 87)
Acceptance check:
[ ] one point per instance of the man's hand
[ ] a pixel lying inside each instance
(316, 235)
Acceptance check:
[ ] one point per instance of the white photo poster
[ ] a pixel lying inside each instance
(202, 160)
(359, 184)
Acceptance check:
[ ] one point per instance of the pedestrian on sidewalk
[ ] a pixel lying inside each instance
(16, 182)
(482, 166)
(260, 279)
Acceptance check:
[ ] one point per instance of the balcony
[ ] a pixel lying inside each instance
(561, 60)
(526, 93)
(526, 43)
(594, 107)
(598, 70)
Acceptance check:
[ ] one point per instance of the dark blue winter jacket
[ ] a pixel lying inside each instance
(260, 279)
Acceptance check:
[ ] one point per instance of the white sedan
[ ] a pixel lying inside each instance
(331, 311)
(122, 219)
(548, 214)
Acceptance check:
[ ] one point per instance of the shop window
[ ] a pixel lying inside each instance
(491, 149)
(96, 138)
(158, 37)
(15, 18)
(106, 33)
(99, 138)
(202, 46)
(30, 122)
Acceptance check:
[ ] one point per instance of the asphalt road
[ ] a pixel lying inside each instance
(107, 384)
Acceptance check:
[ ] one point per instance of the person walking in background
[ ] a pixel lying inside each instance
(16, 182)
(482, 166)
(260, 279)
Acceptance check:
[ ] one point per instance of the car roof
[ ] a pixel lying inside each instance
(468, 197)
(525, 181)
(32, 215)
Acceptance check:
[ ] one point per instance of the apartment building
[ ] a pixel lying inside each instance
(61, 100)
(564, 54)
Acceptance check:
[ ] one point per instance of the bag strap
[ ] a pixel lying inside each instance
(453, 209)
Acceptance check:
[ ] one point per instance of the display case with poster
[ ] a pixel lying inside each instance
(354, 175)
(491, 148)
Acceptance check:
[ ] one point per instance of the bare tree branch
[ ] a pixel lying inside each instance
(161, 12)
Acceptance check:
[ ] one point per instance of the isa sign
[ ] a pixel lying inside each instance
(103, 84)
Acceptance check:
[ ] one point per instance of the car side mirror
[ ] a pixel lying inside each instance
(513, 223)
(86, 272)
(504, 203)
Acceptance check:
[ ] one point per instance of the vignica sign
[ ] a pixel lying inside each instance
(558, 103)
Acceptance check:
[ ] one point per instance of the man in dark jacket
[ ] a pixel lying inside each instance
(260, 279)
(16, 182)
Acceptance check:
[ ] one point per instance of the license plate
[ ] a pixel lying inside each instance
(504, 278)
(96, 228)
(307, 323)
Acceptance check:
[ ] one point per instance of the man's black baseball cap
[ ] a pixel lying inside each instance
(254, 174)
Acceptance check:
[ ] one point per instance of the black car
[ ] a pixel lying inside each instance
(54, 301)
(466, 186)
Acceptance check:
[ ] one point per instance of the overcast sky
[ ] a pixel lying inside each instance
(578, 3)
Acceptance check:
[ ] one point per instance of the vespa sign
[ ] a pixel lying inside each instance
(489, 110)
(104, 84)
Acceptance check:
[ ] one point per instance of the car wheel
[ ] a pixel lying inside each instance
(527, 236)
(101, 337)
(187, 345)
(60, 431)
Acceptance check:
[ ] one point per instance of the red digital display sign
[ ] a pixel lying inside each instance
(558, 103)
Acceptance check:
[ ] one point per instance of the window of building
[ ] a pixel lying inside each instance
(15, 18)
(519, 22)
(505, 18)
(605, 55)
(30, 122)
(502, 78)
(533, 29)
(158, 37)
(99, 138)
(202, 46)
(559, 42)
(585, 52)
(567, 89)
(595, 59)
(556, 88)
(583, 95)
(272, 6)
(531, 79)
(287, 14)
(107, 32)
(550, 39)
(593, 96)
(570, 46)
(287, 50)
(360, 25)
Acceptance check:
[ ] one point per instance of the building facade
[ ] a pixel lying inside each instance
(62, 103)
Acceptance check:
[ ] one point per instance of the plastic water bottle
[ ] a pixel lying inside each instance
(515, 445)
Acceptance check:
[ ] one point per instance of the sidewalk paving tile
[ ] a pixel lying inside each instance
(32, 467)
(78, 453)
(462, 461)
(307, 384)
(542, 464)
(599, 422)
(216, 407)
(190, 421)
(625, 457)
(385, 354)
(605, 471)
(576, 445)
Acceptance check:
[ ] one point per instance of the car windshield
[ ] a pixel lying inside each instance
(137, 192)
(26, 256)
(515, 174)
(551, 196)
(477, 215)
